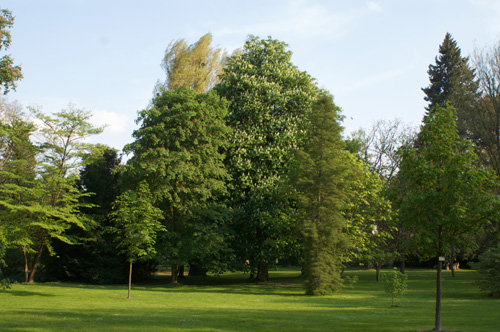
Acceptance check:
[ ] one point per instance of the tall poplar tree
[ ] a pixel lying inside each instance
(323, 178)
(269, 97)
(193, 66)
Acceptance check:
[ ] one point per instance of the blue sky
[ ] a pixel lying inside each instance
(105, 56)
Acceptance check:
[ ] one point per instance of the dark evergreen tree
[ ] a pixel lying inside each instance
(453, 81)
(95, 259)
(323, 180)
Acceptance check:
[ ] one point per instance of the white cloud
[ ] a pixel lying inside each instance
(300, 19)
(115, 123)
(373, 6)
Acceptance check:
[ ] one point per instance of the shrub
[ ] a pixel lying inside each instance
(395, 284)
(489, 270)
(5, 283)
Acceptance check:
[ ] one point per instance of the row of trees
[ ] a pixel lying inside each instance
(239, 163)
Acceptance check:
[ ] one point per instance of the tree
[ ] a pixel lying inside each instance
(489, 270)
(58, 208)
(323, 178)
(9, 74)
(269, 97)
(379, 147)
(369, 217)
(94, 259)
(452, 80)
(177, 150)
(444, 195)
(484, 126)
(136, 223)
(195, 66)
(18, 190)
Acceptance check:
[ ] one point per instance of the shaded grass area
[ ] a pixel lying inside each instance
(229, 303)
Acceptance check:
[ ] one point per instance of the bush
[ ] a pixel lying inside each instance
(489, 270)
(395, 284)
(5, 283)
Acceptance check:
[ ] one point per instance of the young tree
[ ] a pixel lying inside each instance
(268, 97)
(9, 74)
(444, 195)
(452, 80)
(177, 151)
(136, 223)
(323, 179)
(195, 66)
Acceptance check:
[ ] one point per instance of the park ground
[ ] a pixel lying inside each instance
(230, 303)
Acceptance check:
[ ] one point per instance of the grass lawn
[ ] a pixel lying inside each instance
(228, 303)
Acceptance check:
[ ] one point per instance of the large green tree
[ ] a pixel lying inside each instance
(195, 66)
(9, 73)
(177, 150)
(444, 194)
(269, 98)
(453, 81)
(323, 179)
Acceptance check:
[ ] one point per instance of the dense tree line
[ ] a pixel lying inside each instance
(240, 163)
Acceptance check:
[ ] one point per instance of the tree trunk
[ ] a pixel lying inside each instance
(377, 274)
(263, 272)
(36, 261)
(129, 280)
(403, 264)
(438, 297)
(181, 272)
(175, 273)
(25, 265)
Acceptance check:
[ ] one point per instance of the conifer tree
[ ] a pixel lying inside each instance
(453, 81)
(322, 177)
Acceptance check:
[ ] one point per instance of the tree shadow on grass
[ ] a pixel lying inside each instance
(197, 320)
(15, 292)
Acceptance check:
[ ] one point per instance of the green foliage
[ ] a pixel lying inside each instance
(5, 283)
(444, 195)
(323, 177)
(136, 221)
(9, 73)
(269, 98)
(178, 152)
(94, 259)
(369, 217)
(395, 284)
(489, 270)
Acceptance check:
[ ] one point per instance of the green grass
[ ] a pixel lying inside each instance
(228, 303)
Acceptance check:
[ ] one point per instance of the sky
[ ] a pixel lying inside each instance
(104, 56)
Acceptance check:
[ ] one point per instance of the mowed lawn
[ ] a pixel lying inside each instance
(229, 303)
